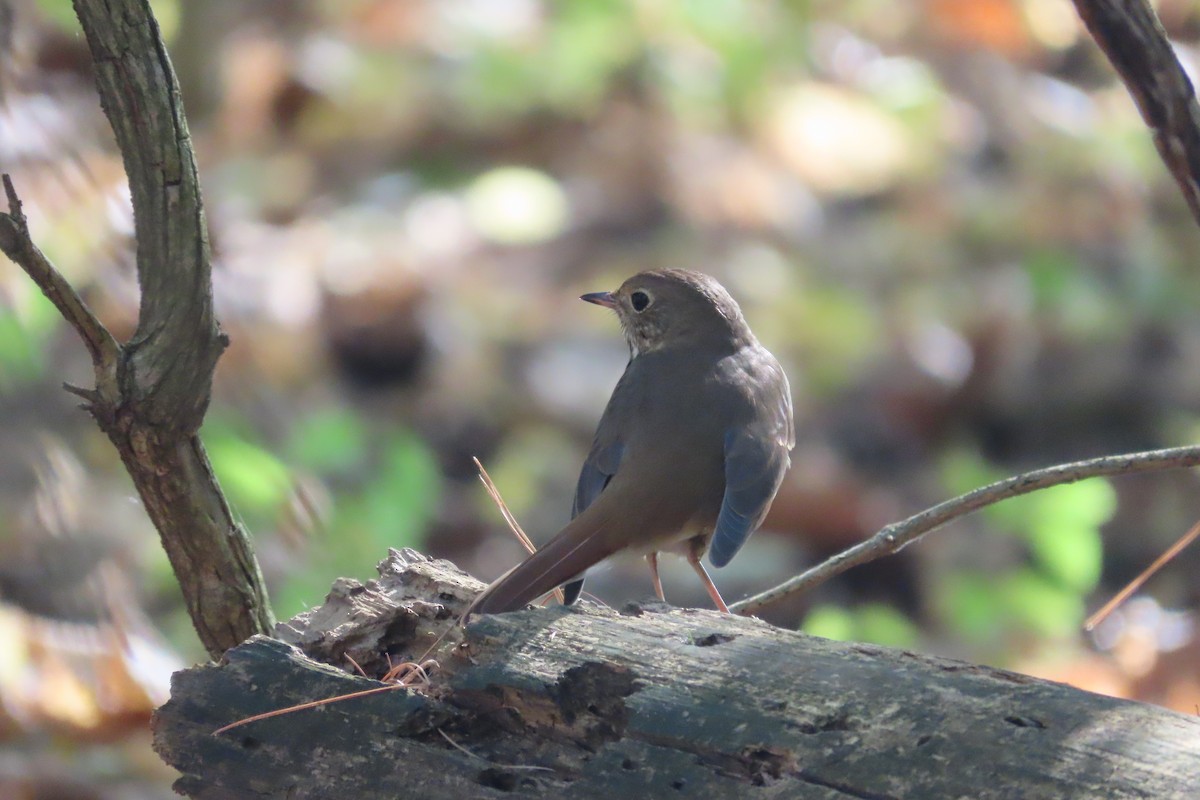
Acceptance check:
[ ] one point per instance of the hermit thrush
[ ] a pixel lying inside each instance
(689, 452)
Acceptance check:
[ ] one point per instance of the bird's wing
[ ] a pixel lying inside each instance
(598, 469)
(756, 457)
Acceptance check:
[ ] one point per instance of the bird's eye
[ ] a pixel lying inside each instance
(639, 301)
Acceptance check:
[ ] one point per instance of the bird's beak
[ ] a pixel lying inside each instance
(605, 299)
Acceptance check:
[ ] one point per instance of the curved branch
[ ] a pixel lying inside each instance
(151, 394)
(16, 243)
(892, 538)
(163, 375)
(1129, 33)
(169, 362)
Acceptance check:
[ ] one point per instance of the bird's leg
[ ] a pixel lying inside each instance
(652, 560)
(694, 559)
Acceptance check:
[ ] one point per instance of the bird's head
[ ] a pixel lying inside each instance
(673, 307)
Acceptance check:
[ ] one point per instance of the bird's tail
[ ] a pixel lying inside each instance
(581, 544)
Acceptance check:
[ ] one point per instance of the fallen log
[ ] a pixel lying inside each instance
(651, 701)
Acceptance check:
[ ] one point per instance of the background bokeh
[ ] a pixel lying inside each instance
(945, 217)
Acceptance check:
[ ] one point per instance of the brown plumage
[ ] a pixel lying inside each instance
(689, 451)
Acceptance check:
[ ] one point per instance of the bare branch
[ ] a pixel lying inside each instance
(892, 538)
(1129, 33)
(19, 247)
(170, 359)
(151, 394)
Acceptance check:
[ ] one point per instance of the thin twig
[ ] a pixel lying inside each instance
(1136, 583)
(397, 677)
(494, 493)
(513, 525)
(359, 669)
(892, 538)
(17, 244)
(462, 749)
(279, 712)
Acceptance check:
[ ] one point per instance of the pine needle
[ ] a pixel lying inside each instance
(513, 525)
(1123, 595)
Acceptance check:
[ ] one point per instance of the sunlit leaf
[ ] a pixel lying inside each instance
(329, 441)
(405, 493)
(168, 14)
(60, 12)
(589, 42)
(830, 622)
(874, 622)
(254, 479)
(964, 470)
(1090, 502)
(1073, 554)
(885, 625)
(20, 358)
(1064, 531)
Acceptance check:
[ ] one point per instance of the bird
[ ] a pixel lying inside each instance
(689, 452)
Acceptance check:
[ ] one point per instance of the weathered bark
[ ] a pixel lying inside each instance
(151, 393)
(165, 371)
(1129, 33)
(650, 702)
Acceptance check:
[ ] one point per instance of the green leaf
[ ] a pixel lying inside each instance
(1064, 531)
(971, 605)
(254, 479)
(885, 625)
(61, 13)
(301, 591)
(1041, 605)
(963, 470)
(402, 499)
(829, 622)
(1071, 554)
(20, 357)
(873, 622)
(517, 205)
(332, 441)
(1090, 502)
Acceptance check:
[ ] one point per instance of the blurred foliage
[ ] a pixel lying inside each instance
(1061, 530)
(255, 481)
(24, 329)
(946, 218)
(870, 622)
(331, 441)
(62, 14)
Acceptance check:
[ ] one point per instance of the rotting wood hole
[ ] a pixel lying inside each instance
(597, 689)
(840, 721)
(1024, 722)
(714, 639)
(495, 778)
(766, 764)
